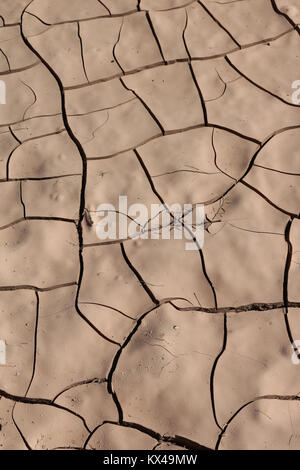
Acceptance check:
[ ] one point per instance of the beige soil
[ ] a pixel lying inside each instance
(141, 344)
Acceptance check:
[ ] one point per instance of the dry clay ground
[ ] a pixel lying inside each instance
(140, 343)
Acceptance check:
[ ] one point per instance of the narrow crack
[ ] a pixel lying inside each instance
(106, 7)
(82, 52)
(114, 48)
(192, 71)
(6, 58)
(29, 119)
(94, 380)
(255, 307)
(22, 202)
(155, 118)
(34, 98)
(155, 36)
(276, 171)
(138, 276)
(111, 308)
(36, 288)
(216, 309)
(103, 109)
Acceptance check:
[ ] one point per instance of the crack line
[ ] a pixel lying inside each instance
(81, 52)
(218, 23)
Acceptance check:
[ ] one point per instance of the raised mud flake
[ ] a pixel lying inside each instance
(56, 244)
(157, 362)
(257, 361)
(171, 95)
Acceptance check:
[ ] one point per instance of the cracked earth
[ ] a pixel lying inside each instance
(140, 344)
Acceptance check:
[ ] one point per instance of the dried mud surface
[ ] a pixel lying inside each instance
(140, 343)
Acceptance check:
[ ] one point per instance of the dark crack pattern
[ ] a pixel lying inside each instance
(161, 118)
